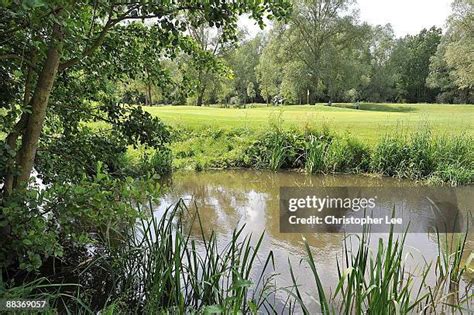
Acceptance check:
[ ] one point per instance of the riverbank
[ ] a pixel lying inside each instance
(419, 155)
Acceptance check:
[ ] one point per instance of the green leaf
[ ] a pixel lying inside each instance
(213, 309)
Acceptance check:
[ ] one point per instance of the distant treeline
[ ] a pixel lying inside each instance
(320, 53)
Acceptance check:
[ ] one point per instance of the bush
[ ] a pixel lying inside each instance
(42, 223)
(67, 158)
(143, 161)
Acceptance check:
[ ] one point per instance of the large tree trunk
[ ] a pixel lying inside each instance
(148, 90)
(201, 89)
(200, 97)
(39, 103)
(12, 138)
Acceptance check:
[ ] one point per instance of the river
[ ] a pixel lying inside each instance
(228, 199)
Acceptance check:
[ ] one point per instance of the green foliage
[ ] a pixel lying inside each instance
(67, 158)
(139, 127)
(210, 148)
(45, 223)
(104, 43)
(315, 152)
(275, 149)
(177, 273)
(451, 67)
(421, 156)
(411, 60)
(143, 161)
(241, 87)
(455, 160)
(346, 155)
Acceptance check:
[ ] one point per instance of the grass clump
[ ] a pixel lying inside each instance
(346, 155)
(455, 160)
(315, 152)
(422, 156)
(164, 269)
(209, 148)
(377, 282)
(276, 149)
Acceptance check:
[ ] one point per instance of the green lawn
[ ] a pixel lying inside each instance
(368, 123)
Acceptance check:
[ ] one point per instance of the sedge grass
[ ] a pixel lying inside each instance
(377, 282)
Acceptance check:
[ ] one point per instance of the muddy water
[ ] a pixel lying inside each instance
(228, 199)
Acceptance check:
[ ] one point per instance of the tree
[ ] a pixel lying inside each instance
(452, 67)
(410, 60)
(319, 51)
(251, 93)
(49, 38)
(243, 60)
(313, 27)
(206, 65)
(269, 70)
(381, 86)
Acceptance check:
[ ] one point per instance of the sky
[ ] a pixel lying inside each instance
(406, 16)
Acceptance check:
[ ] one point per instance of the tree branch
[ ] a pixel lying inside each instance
(22, 59)
(111, 22)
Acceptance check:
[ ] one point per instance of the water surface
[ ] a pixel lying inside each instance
(228, 199)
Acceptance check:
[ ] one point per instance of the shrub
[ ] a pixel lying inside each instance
(43, 223)
(67, 158)
(146, 161)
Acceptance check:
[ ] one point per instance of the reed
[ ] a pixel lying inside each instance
(377, 282)
(165, 269)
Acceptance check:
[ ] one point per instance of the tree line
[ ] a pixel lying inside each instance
(320, 53)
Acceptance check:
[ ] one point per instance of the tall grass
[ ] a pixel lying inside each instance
(421, 156)
(315, 152)
(59, 296)
(418, 155)
(164, 269)
(278, 152)
(446, 295)
(347, 155)
(377, 282)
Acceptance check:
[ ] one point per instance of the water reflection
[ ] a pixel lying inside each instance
(227, 199)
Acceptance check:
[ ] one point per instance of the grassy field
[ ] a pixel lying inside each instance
(368, 123)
